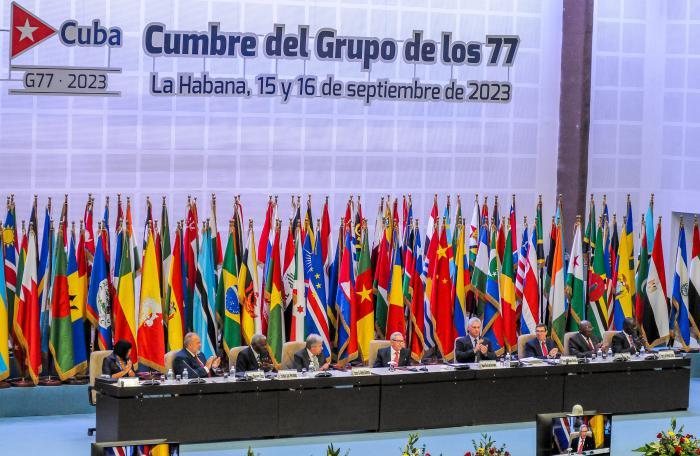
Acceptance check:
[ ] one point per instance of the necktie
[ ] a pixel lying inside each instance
(201, 363)
(580, 444)
(590, 344)
(314, 361)
(396, 358)
(544, 349)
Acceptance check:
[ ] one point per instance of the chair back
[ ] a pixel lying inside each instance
(374, 346)
(522, 341)
(607, 337)
(567, 336)
(454, 349)
(288, 350)
(95, 370)
(169, 357)
(233, 355)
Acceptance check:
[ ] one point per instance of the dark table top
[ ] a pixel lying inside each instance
(344, 379)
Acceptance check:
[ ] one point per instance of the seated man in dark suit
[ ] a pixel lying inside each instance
(627, 340)
(190, 358)
(473, 348)
(585, 343)
(541, 347)
(582, 442)
(396, 353)
(255, 356)
(311, 357)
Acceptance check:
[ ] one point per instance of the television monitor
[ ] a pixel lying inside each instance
(564, 434)
(142, 448)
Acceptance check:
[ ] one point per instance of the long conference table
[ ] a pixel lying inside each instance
(222, 409)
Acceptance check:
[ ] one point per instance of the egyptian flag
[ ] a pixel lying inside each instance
(655, 321)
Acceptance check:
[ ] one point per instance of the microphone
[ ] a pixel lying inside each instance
(265, 361)
(150, 381)
(478, 355)
(199, 378)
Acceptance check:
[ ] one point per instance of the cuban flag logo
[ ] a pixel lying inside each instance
(27, 31)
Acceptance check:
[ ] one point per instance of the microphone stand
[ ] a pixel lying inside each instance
(199, 378)
(150, 381)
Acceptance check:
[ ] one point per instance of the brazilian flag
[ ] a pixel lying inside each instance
(227, 304)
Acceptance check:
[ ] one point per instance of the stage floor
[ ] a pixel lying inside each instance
(67, 434)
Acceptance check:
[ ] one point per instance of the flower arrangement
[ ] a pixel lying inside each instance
(332, 451)
(412, 449)
(673, 443)
(487, 447)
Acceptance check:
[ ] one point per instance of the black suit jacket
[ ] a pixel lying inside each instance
(384, 357)
(588, 444)
(184, 360)
(620, 344)
(247, 361)
(110, 365)
(303, 361)
(533, 348)
(578, 346)
(464, 350)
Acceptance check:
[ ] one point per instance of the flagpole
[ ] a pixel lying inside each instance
(48, 380)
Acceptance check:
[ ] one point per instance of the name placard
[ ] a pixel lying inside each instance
(666, 354)
(255, 375)
(287, 374)
(566, 360)
(361, 371)
(487, 364)
(129, 381)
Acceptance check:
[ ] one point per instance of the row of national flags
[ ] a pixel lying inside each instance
(67, 289)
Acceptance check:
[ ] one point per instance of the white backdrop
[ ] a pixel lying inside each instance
(645, 111)
(141, 145)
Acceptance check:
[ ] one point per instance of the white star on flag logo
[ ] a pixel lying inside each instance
(27, 31)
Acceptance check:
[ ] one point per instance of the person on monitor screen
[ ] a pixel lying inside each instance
(256, 356)
(627, 340)
(541, 347)
(395, 353)
(582, 442)
(584, 343)
(311, 357)
(473, 348)
(191, 358)
(118, 364)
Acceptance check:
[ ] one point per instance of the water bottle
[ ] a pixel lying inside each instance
(642, 351)
(185, 374)
(232, 373)
(506, 361)
(600, 353)
(170, 375)
(610, 353)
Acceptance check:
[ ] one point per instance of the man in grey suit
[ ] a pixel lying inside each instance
(311, 357)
